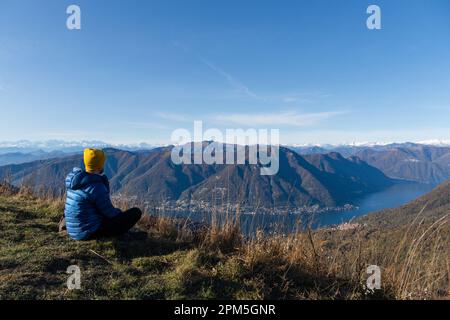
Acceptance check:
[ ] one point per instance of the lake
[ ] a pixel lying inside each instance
(394, 196)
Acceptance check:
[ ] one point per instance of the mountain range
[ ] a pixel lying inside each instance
(405, 161)
(427, 162)
(49, 146)
(326, 180)
(23, 157)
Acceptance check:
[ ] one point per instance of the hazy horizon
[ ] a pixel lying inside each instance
(60, 143)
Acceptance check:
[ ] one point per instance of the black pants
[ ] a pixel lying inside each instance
(118, 225)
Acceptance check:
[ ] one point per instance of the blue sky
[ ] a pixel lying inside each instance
(137, 70)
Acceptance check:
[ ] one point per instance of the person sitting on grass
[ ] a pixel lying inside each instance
(89, 213)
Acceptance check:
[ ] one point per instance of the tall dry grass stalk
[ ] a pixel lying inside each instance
(420, 266)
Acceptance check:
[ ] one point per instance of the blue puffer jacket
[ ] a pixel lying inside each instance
(88, 202)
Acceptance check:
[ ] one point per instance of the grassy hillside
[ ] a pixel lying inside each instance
(429, 208)
(163, 259)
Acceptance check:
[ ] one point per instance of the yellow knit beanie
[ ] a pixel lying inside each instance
(94, 160)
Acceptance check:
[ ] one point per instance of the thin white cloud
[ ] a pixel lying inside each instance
(232, 81)
(85, 135)
(174, 117)
(304, 97)
(287, 118)
(290, 99)
(255, 119)
(244, 90)
(237, 85)
(145, 125)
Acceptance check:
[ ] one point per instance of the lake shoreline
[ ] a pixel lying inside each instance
(396, 195)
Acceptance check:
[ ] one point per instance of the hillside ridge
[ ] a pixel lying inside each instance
(327, 180)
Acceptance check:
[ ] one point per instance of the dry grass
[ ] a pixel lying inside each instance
(217, 261)
(419, 265)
